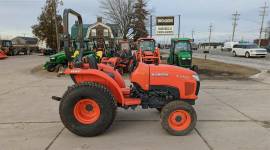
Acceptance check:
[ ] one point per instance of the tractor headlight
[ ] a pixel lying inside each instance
(196, 77)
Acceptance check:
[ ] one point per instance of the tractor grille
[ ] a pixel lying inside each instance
(190, 88)
(185, 62)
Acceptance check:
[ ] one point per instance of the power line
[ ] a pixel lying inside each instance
(235, 19)
(263, 14)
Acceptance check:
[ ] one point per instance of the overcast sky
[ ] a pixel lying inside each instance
(17, 16)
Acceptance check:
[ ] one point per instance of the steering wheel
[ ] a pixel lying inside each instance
(134, 64)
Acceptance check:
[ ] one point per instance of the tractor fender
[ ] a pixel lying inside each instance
(93, 75)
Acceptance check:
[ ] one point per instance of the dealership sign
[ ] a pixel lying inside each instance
(165, 25)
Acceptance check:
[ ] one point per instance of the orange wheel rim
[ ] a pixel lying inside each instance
(179, 120)
(86, 111)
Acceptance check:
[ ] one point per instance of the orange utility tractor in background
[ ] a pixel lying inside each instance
(88, 108)
(122, 60)
(3, 55)
(7, 48)
(147, 51)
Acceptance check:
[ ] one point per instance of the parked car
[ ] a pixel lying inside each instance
(248, 50)
(228, 46)
(49, 51)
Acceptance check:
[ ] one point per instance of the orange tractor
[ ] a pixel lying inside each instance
(147, 52)
(88, 108)
(122, 60)
(3, 55)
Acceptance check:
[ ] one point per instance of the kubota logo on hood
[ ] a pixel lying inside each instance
(159, 74)
(75, 71)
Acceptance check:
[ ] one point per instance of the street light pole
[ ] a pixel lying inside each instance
(179, 25)
(151, 26)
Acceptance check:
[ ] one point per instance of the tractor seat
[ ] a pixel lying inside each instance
(92, 62)
(94, 65)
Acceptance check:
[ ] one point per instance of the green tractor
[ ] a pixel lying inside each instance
(59, 61)
(55, 62)
(181, 53)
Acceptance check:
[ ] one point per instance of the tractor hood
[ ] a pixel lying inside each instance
(171, 70)
(148, 53)
(57, 54)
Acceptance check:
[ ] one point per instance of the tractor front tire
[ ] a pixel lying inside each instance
(51, 68)
(195, 68)
(87, 109)
(178, 118)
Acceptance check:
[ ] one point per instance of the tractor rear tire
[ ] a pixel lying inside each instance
(87, 109)
(178, 118)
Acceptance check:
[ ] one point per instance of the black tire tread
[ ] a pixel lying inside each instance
(105, 91)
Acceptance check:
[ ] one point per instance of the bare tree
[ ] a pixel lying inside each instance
(119, 12)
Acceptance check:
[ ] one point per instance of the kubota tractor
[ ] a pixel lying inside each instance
(123, 59)
(88, 108)
(147, 51)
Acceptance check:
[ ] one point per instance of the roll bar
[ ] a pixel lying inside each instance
(66, 36)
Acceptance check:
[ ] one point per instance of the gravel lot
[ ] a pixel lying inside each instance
(232, 115)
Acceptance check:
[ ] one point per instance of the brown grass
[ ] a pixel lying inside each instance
(213, 70)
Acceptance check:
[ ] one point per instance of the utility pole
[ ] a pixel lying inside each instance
(265, 32)
(179, 25)
(210, 33)
(235, 19)
(192, 33)
(151, 30)
(54, 3)
(263, 14)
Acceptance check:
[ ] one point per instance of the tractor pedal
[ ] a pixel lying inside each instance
(132, 101)
(56, 98)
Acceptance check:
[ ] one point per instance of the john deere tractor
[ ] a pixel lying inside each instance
(59, 60)
(181, 53)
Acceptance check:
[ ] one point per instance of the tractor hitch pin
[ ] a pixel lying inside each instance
(56, 98)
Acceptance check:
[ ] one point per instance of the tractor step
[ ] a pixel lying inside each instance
(125, 91)
(57, 98)
(132, 101)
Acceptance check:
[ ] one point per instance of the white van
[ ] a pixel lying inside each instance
(228, 46)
